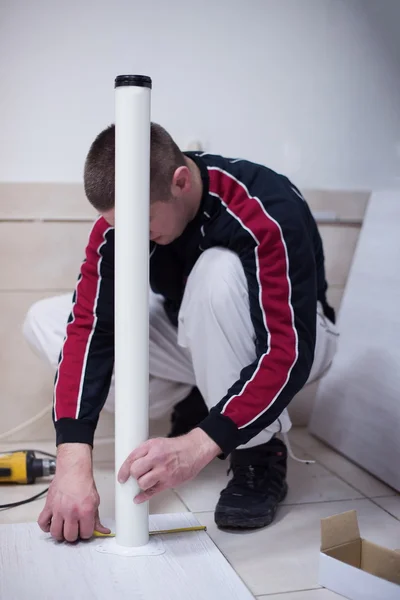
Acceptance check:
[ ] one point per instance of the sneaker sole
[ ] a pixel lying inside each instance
(233, 518)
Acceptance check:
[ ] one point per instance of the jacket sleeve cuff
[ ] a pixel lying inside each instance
(223, 431)
(70, 431)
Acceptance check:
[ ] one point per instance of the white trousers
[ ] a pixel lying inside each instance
(213, 343)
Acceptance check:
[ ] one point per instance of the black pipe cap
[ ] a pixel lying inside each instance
(133, 80)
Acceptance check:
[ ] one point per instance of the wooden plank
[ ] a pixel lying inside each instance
(33, 565)
(357, 409)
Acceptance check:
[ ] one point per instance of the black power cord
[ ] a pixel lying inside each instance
(36, 496)
(31, 499)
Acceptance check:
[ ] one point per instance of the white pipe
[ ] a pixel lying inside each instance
(132, 191)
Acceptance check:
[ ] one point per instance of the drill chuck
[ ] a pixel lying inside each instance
(43, 467)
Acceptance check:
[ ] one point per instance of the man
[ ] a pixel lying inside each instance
(239, 323)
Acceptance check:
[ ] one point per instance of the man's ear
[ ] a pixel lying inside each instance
(180, 181)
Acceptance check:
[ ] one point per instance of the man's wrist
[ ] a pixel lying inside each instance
(206, 446)
(74, 456)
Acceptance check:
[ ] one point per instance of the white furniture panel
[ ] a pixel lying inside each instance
(357, 409)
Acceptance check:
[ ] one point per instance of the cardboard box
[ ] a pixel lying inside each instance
(354, 567)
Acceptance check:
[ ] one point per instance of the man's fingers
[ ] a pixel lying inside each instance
(140, 467)
(124, 472)
(71, 530)
(149, 480)
(57, 527)
(87, 525)
(144, 496)
(98, 526)
(44, 520)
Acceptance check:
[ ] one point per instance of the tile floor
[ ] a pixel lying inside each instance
(281, 561)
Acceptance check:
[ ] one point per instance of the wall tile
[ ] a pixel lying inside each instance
(44, 200)
(41, 256)
(346, 204)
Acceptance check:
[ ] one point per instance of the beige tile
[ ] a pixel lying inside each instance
(44, 200)
(105, 430)
(202, 493)
(26, 382)
(165, 502)
(343, 468)
(356, 476)
(284, 557)
(320, 594)
(345, 203)
(61, 200)
(314, 483)
(391, 505)
(339, 245)
(307, 483)
(39, 445)
(302, 438)
(103, 449)
(42, 256)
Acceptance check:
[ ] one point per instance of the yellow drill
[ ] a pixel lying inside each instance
(23, 467)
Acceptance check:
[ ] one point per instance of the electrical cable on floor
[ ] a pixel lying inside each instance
(31, 499)
(36, 496)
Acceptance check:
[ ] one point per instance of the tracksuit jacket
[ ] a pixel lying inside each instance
(262, 217)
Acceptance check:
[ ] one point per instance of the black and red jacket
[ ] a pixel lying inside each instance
(262, 217)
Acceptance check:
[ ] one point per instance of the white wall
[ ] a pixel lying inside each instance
(384, 16)
(301, 85)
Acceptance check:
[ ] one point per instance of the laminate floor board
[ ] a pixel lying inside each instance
(34, 566)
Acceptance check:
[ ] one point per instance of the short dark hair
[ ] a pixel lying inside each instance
(99, 172)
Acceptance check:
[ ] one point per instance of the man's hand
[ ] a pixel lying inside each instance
(72, 504)
(163, 463)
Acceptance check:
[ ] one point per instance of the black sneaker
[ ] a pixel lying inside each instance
(258, 485)
(188, 413)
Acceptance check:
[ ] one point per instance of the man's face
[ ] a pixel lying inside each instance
(169, 214)
(167, 220)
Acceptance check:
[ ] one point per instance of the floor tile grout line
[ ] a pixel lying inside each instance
(324, 501)
(356, 489)
(364, 496)
(298, 504)
(289, 592)
(318, 461)
(395, 495)
(182, 500)
(310, 453)
(385, 509)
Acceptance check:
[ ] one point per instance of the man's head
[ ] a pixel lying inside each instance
(174, 183)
